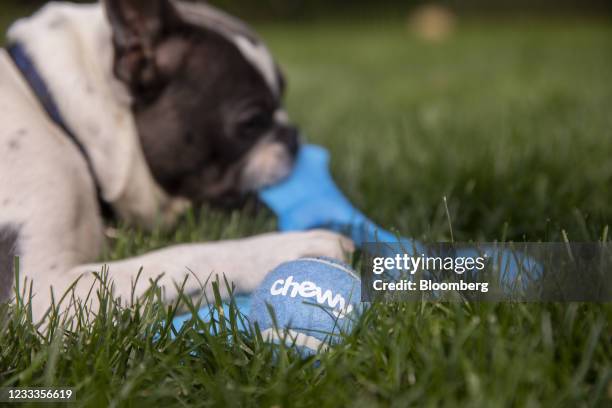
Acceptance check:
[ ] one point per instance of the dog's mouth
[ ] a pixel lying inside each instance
(271, 160)
(267, 164)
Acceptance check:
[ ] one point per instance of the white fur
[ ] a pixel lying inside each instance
(48, 195)
(46, 192)
(281, 117)
(75, 58)
(259, 56)
(266, 164)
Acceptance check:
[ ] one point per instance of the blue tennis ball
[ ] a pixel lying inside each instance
(313, 300)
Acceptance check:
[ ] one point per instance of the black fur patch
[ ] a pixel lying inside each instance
(199, 104)
(9, 237)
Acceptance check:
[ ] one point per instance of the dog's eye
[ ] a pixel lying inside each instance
(255, 124)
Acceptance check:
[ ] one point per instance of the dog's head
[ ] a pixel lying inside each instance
(207, 99)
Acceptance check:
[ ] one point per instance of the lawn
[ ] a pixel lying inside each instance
(510, 121)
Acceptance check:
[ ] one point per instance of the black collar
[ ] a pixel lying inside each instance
(28, 69)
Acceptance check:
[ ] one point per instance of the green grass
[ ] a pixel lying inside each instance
(510, 122)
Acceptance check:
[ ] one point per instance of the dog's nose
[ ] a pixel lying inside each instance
(290, 136)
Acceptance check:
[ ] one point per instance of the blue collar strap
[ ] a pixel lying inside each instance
(28, 69)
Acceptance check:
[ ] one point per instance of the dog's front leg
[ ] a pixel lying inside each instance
(244, 263)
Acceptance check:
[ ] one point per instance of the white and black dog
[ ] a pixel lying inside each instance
(151, 106)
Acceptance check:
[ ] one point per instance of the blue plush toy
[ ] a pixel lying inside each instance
(208, 313)
(313, 300)
(309, 199)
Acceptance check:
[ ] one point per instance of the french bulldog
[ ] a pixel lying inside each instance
(146, 107)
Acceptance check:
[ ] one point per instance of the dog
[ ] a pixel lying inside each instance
(142, 108)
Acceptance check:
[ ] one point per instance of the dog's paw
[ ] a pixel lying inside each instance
(319, 243)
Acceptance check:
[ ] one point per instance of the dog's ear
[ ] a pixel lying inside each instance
(138, 27)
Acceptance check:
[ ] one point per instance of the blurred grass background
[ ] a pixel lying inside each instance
(506, 112)
(509, 121)
(296, 10)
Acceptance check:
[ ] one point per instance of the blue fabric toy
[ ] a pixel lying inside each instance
(208, 313)
(314, 300)
(309, 199)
